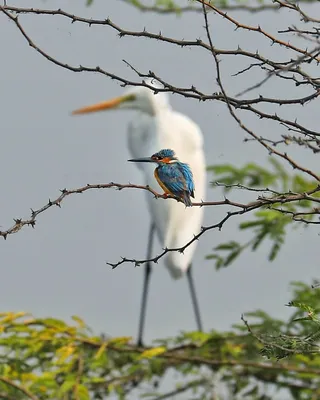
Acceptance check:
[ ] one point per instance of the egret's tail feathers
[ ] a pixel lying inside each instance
(178, 263)
(176, 266)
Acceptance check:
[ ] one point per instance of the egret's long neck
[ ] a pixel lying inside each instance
(158, 103)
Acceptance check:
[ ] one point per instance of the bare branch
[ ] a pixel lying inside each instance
(258, 29)
(245, 208)
(20, 388)
(275, 69)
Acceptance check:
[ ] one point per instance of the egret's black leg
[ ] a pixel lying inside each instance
(147, 273)
(194, 299)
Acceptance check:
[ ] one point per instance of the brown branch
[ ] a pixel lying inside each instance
(245, 208)
(287, 139)
(20, 388)
(249, 131)
(293, 6)
(144, 33)
(20, 223)
(123, 32)
(250, 189)
(179, 354)
(258, 29)
(186, 92)
(280, 198)
(176, 355)
(191, 92)
(194, 93)
(297, 216)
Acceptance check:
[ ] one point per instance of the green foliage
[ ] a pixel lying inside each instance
(271, 221)
(251, 175)
(169, 5)
(46, 358)
(302, 333)
(173, 6)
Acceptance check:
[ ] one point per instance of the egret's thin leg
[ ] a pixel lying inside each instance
(194, 299)
(147, 273)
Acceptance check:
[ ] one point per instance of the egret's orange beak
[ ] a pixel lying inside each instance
(104, 105)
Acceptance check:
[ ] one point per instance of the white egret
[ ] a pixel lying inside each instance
(157, 126)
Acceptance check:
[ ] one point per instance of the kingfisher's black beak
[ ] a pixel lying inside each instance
(145, 159)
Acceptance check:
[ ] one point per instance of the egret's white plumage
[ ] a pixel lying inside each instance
(157, 126)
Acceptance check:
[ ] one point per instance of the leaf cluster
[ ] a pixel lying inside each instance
(271, 222)
(46, 358)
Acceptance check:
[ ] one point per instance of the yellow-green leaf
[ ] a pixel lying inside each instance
(79, 321)
(120, 340)
(153, 352)
(101, 351)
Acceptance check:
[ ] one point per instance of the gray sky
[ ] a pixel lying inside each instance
(59, 269)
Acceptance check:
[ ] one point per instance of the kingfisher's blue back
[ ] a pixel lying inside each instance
(174, 177)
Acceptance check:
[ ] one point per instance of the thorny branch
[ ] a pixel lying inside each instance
(183, 43)
(289, 69)
(277, 198)
(257, 29)
(192, 92)
(20, 223)
(278, 68)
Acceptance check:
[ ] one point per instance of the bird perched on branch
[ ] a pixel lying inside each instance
(157, 126)
(174, 177)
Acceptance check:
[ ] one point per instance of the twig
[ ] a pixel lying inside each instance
(20, 388)
(20, 223)
(262, 201)
(257, 29)
(249, 131)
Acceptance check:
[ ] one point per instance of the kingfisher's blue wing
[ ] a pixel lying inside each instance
(172, 178)
(177, 178)
(185, 169)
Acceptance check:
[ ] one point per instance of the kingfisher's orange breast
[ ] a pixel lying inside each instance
(164, 188)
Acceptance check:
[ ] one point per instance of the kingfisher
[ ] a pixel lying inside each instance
(174, 176)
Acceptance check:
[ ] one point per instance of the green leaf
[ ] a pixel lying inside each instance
(83, 393)
(153, 352)
(79, 321)
(227, 246)
(67, 385)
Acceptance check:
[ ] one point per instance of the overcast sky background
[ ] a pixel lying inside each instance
(59, 268)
